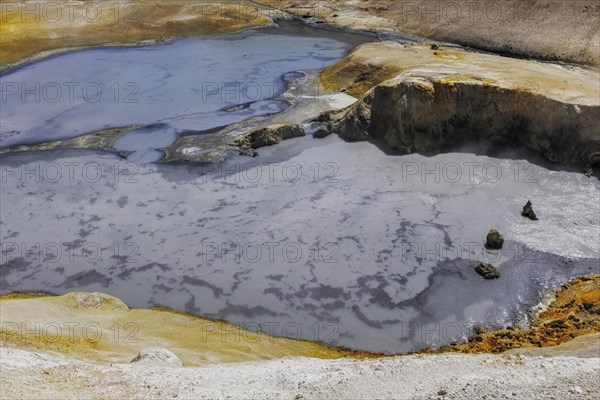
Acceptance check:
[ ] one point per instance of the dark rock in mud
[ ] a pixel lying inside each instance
(248, 152)
(323, 117)
(323, 132)
(487, 271)
(356, 124)
(528, 211)
(268, 136)
(494, 240)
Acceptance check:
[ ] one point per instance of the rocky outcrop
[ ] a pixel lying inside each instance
(157, 355)
(268, 136)
(323, 132)
(528, 211)
(356, 124)
(449, 97)
(487, 271)
(494, 239)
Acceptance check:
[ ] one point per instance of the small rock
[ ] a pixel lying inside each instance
(488, 271)
(158, 355)
(576, 390)
(435, 47)
(321, 133)
(528, 211)
(323, 117)
(494, 239)
(268, 136)
(98, 301)
(442, 392)
(248, 152)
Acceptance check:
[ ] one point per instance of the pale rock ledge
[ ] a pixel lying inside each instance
(424, 99)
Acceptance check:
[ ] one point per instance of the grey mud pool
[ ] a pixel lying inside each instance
(315, 239)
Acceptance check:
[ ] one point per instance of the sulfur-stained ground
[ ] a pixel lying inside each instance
(574, 312)
(35, 28)
(101, 328)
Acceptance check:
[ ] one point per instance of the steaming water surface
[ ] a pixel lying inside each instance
(318, 239)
